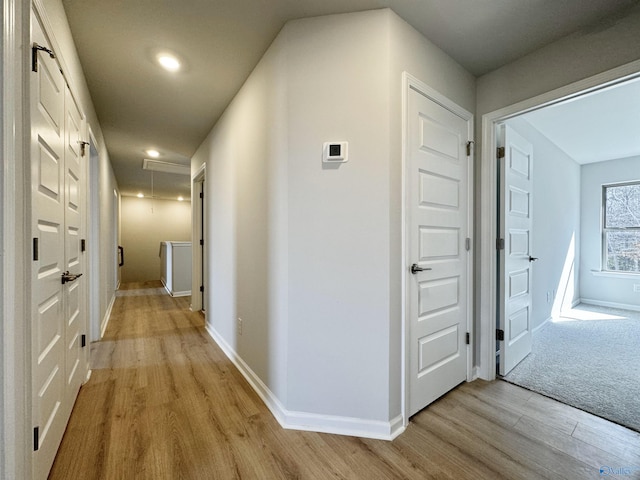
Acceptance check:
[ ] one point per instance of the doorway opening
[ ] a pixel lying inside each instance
(199, 252)
(566, 200)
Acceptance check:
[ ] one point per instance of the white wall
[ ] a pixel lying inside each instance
(556, 224)
(616, 289)
(246, 202)
(146, 223)
(575, 57)
(339, 225)
(309, 256)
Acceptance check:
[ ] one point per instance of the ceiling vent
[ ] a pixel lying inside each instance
(166, 167)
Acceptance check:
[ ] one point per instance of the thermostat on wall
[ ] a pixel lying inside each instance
(335, 152)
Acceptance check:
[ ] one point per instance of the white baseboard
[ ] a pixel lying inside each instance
(107, 316)
(622, 306)
(312, 422)
(542, 325)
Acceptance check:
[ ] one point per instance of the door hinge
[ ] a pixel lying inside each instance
(467, 244)
(469, 143)
(36, 439)
(500, 152)
(34, 55)
(499, 243)
(83, 245)
(83, 146)
(202, 241)
(83, 340)
(201, 194)
(36, 249)
(468, 338)
(500, 335)
(202, 288)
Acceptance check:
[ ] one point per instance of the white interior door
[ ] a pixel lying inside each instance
(516, 259)
(438, 230)
(75, 204)
(57, 308)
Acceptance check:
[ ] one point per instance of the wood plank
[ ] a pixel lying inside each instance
(164, 402)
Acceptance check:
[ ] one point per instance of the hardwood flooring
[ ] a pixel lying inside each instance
(164, 402)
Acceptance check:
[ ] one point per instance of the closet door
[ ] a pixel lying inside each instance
(57, 291)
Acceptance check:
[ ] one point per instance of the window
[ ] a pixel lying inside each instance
(621, 227)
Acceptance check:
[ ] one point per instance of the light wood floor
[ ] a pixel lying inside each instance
(164, 402)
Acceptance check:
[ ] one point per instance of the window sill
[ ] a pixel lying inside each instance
(606, 273)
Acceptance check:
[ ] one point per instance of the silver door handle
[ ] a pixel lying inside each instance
(69, 277)
(415, 269)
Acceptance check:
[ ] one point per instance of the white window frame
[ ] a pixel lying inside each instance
(605, 229)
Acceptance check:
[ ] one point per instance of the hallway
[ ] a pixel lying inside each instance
(164, 402)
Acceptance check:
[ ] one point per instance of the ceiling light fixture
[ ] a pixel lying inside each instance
(140, 195)
(168, 62)
(180, 199)
(153, 153)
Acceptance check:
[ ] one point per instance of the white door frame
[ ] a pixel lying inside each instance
(409, 82)
(489, 187)
(93, 236)
(197, 262)
(15, 406)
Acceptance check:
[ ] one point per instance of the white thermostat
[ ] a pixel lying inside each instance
(335, 152)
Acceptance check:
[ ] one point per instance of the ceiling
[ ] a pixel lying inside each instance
(140, 106)
(600, 126)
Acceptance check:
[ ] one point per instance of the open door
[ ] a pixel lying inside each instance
(439, 219)
(515, 159)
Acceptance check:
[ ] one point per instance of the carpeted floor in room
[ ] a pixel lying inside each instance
(589, 359)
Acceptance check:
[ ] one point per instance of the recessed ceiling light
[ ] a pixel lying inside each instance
(180, 199)
(153, 153)
(168, 62)
(140, 195)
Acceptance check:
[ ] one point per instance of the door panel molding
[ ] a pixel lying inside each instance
(439, 190)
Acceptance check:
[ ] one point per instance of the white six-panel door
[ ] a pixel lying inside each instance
(58, 318)
(516, 258)
(75, 202)
(439, 220)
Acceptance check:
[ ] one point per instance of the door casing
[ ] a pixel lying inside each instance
(487, 265)
(199, 255)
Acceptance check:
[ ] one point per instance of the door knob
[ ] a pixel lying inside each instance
(532, 259)
(415, 269)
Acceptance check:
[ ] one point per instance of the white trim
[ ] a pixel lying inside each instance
(93, 235)
(15, 345)
(411, 82)
(197, 300)
(542, 325)
(612, 274)
(488, 187)
(107, 316)
(312, 422)
(599, 303)
(184, 293)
